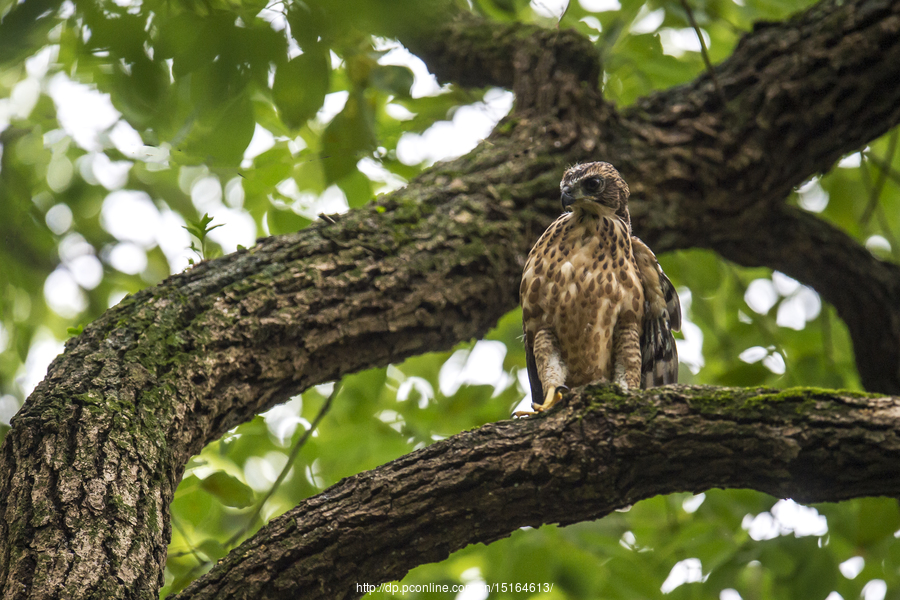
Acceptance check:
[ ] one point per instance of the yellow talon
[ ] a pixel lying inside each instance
(552, 398)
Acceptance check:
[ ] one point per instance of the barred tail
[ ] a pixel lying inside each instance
(659, 355)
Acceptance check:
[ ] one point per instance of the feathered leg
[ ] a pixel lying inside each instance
(627, 352)
(551, 370)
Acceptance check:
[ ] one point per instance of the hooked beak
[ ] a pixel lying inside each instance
(567, 199)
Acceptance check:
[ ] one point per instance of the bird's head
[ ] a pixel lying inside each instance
(596, 188)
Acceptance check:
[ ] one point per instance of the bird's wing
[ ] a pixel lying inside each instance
(531, 313)
(537, 391)
(662, 315)
(673, 302)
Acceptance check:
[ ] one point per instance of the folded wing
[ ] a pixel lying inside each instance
(662, 316)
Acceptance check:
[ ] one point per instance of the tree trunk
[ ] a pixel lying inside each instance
(91, 463)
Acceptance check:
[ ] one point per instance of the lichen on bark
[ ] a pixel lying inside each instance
(91, 463)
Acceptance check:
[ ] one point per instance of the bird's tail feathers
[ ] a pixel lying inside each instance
(659, 355)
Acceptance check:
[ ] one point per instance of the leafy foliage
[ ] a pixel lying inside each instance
(261, 116)
(200, 229)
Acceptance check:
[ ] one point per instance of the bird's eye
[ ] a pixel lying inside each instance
(593, 185)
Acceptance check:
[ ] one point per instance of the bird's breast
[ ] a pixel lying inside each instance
(579, 280)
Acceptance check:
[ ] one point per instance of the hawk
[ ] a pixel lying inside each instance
(596, 306)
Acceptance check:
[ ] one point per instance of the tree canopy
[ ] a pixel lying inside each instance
(146, 146)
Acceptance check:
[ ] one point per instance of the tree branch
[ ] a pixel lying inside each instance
(98, 448)
(601, 452)
(472, 52)
(91, 463)
(865, 290)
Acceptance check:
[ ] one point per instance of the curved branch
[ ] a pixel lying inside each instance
(602, 451)
(473, 52)
(865, 290)
(800, 94)
(92, 460)
(98, 448)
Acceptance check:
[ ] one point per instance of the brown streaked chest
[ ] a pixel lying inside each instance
(579, 280)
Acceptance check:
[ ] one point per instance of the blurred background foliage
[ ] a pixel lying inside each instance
(125, 123)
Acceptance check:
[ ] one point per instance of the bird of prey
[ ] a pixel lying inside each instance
(596, 305)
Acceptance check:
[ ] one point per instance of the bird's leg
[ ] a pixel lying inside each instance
(551, 370)
(627, 352)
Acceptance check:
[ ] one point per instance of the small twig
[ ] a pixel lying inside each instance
(882, 177)
(195, 571)
(762, 322)
(192, 550)
(886, 168)
(562, 15)
(827, 338)
(703, 52)
(272, 5)
(886, 230)
(884, 171)
(292, 457)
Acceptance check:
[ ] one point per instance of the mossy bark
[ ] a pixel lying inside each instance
(89, 468)
(601, 451)
(800, 94)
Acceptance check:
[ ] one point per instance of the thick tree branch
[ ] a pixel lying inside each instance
(864, 290)
(105, 437)
(601, 452)
(472, 52)
(90, 465)
(800, 94)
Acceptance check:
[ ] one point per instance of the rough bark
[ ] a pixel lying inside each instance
(800, 94)
(600, 452)
(90, 465)
(93, 458)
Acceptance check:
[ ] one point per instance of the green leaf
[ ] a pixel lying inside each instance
(357, 187)
(200, 229)
(142, 94)
(23, 28)
(816, 575)
(190, 41)
(348, 138)
(213, 549)
(269, 169)
(282, 221)
(229, 490)
(308, 23)
(221, 135)
(300, 86)
(392, 79)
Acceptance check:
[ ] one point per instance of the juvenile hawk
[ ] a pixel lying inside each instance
(596, 305)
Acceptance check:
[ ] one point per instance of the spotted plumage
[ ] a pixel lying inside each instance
(596, 305)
